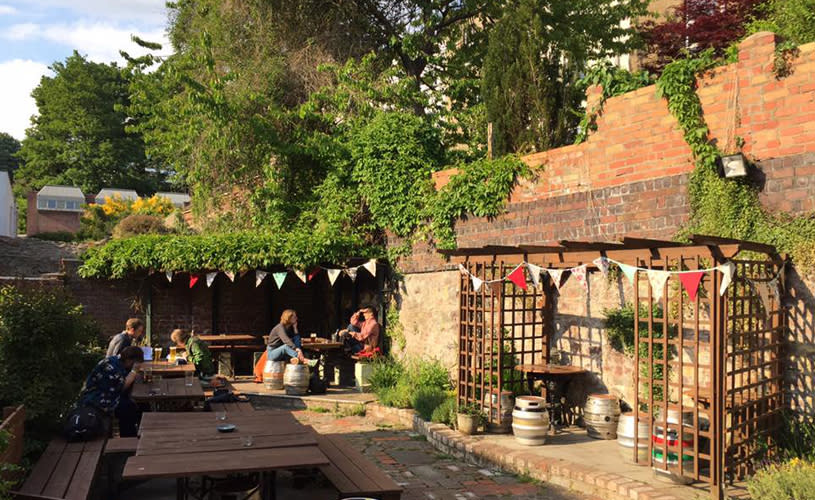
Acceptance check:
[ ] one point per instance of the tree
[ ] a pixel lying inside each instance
(537, 53)
(695, 26)
(9, 146)
(794, 20)
(78, 137)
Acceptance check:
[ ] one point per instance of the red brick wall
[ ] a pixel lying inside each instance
(49, 221)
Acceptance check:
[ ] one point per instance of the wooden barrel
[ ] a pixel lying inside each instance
(504, 420)
(601, 414)
(295, 379)
(273, 374)
(625, 438)
(530, 420)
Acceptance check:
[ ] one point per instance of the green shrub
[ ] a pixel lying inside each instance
(400, 396)
(385, 373)
(55, 236)
(133, 225)
(47, 348)
(445, 413)
(398, 384)
(793, 480)
(429, 374)
(427, 400)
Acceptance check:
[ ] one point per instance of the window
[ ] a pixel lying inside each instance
(52, 204)
(61, 204)
(41, 204)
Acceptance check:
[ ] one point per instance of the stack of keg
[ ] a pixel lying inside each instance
(530, 420)
(504, 419)
(295, 379)
(601, 415)
(665, 440)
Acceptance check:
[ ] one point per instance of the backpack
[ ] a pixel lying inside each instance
(86, 423)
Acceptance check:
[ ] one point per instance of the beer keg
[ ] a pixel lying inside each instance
(530, 420)
(601, 414)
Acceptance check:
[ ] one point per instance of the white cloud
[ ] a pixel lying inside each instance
(7, 10)
(19, 77)
(125, 11)
(101, 42)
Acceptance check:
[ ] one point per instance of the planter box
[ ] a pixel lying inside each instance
(362, 375)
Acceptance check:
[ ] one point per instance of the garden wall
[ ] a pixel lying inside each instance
(630, 178)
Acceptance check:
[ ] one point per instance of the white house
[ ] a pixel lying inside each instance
(124, 194)
(8, 207)
(178, 199)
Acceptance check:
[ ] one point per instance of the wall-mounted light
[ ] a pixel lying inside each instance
(734, 165)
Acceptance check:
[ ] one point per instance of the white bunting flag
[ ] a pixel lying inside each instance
(463, 270)
(370, 266)
(169, 275)
(776, 290)
(657, 280)
(352, 272)
(477, 282)
(534, 273)
(259, 277)
(279, 278)
(602, 265)
(300, 274)
(332, 275)
(727, 270)
(763, 289)
(556, 275)
(579, 274)
(629, 271)
(211, 278)
(230, 275)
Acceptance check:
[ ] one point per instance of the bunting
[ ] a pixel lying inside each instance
(556, 275)
(259, 277)
(169, 275)
(763, 289)
(300, 274)
(463, 270)
(230, 275)
(477, 282)
(602, 264)
(657, 279)
(332, 275)
(279, 278)
(314, 272)
(535, 274)
(352, 272)
(518, 276)
(727, 270)
(193, 280)
(210, 279)
(579, 274)
(691, 280)
(370, 266)
(629, 271)
(496, 286)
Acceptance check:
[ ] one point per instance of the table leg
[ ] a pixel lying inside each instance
(530, 382)
(268, 487)
(181, 488)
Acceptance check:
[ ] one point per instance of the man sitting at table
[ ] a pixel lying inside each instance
(134, 328)
(284, 339)
(363, 330)
(108, 385)
(197, 352)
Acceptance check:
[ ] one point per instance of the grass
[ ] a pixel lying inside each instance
(320, 409)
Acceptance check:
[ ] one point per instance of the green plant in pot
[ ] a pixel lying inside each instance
(469, 418)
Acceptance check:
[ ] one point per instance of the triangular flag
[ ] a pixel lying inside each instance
(300, 274)
(579, 274)
(314, 272)
(657, 280)
(534, 273)
(210, 278)
(776, 290)
(518, 276)
(496, 286)
(332, 275)
(727, 270)
(463, 270)
(629, 271)
(602, 265)
(352, 272)
(370, 266)
(556, 275)
(230, 275)
(477, 282)
(169, 275)
(259, 277)
(193, 280)
(691, 282)
(279, 278)
(763, 289)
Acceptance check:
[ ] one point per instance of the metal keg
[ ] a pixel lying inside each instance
(601, 414)
(530, 420)
(504, 420)
(673, 474)
(295, 379)
(625, 438)
(273, 374)
(664, 441)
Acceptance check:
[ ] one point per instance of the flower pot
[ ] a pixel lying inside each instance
(467, 424)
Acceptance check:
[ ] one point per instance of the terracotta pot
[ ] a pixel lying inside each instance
(467, 424)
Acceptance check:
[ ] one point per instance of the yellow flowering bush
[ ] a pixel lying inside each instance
(99, 220)
(792, 480)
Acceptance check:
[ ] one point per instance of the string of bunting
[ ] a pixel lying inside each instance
(657, 278)
(280, 277)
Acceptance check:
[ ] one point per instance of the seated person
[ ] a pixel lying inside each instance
(108, 385)
(134, 329)
(197, 352)
(363, 330)
(284, 339)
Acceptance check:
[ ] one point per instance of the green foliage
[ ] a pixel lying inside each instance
(385, 373)
(406, 384)
(793, 20)
(427, 400)
(9, 146)
(797, 437)
(537, 51)
(55, 236)
(793, 480)
(445, 412)
(395, 329)
(47, 348)
(136, 224)
(613, 81)
(6, 470)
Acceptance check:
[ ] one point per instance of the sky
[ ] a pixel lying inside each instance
(36, 33)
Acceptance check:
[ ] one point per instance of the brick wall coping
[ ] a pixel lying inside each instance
(582, 478)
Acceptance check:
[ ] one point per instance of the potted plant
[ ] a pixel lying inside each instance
(469, 418)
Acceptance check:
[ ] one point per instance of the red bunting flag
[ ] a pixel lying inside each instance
(518, 277)
(313, 273)
(193, 280)
(691, 282)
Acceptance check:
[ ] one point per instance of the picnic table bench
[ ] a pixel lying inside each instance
(233, 407)
(352, 474)
(65, 471)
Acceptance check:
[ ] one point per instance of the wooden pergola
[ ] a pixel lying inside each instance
(708, 372)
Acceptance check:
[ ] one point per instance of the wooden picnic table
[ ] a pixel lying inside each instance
(167, 394)
(230, 339)
(231, 343)
(166, 369)
(183, 445)
(559, 377)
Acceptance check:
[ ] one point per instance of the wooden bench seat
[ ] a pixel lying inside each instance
(352, 474)
(233, 407)
(121, 445)
(65, 471)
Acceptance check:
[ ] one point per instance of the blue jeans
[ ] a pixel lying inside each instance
(353, 343)
(282, 352)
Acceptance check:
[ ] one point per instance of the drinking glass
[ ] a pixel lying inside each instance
(155, 387)
(188, 376)
(220, 416)
(171, 359)
(157, 354)
(247, 441)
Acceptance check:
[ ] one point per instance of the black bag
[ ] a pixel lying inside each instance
(223, 396)
(315, 384)
(86, 423)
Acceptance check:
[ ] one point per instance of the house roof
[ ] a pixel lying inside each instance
(125, 194)
(72, 193)
(177, 198)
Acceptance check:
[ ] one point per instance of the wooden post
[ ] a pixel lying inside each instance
(148, 313)
(489, 141)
